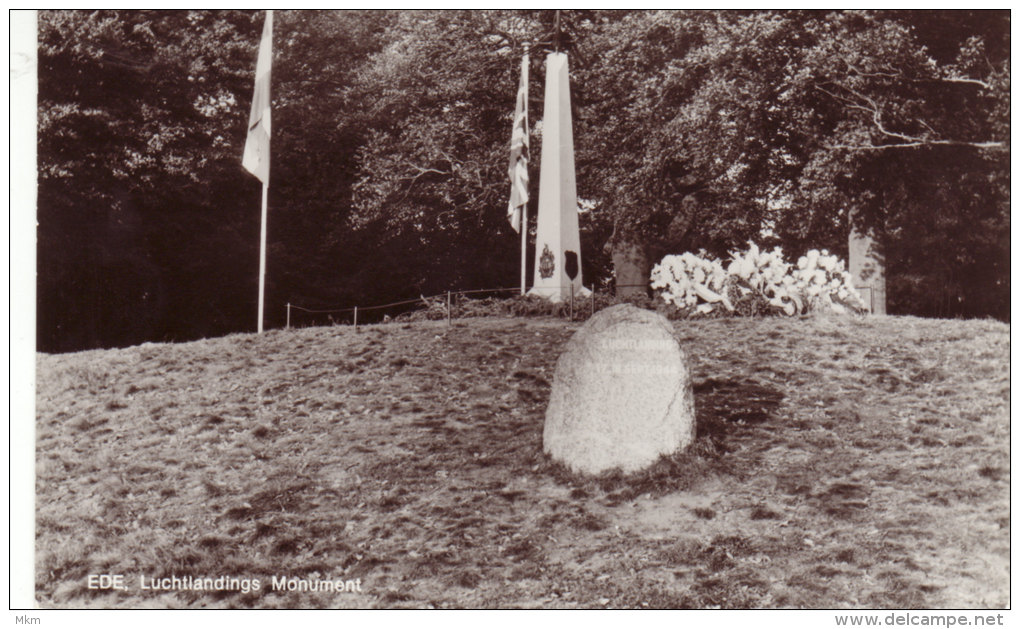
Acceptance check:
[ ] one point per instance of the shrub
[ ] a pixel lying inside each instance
(516, 306)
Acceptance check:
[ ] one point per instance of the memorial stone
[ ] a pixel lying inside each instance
(621, 396)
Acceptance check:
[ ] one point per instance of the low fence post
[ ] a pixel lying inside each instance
(355, 318)
(288, 315)
(449, 313)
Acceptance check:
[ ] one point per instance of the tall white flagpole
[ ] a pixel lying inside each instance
(524, 209)
(256, 147)
(524, 249)
(262, 255)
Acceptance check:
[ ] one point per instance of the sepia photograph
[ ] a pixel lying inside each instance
(504, 309)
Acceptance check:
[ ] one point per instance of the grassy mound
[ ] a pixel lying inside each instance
(839, 463)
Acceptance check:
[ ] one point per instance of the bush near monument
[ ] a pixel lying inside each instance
(755, 283)
(515, 306)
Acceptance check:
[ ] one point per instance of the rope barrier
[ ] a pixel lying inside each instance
(405, 302)
(447, 296)
(321, 311)
(486, 290)
(413, 301)
(399, 303)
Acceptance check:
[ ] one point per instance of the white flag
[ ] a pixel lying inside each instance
(256, 148)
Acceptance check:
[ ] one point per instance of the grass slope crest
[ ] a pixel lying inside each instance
(838, 463)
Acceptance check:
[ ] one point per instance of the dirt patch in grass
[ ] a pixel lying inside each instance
(839, 463)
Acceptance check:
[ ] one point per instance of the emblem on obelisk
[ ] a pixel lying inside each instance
(546, 263)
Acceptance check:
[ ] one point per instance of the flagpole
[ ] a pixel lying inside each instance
(262, 255)
(524, 206)
(256, 146)
(524, 248)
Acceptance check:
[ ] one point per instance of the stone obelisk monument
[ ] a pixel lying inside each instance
(558, 242)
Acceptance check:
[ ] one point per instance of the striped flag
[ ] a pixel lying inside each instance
(256, 148)
(519, 152)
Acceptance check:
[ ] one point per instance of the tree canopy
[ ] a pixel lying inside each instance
(693, 130)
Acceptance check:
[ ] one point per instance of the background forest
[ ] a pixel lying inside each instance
(693, 130)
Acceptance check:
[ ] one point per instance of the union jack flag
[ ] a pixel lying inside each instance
(519, 152)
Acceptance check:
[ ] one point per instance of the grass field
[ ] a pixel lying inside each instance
(840, 463)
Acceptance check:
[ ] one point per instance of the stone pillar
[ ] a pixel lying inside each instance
(632, 269)
(867, 266)
(558, 241)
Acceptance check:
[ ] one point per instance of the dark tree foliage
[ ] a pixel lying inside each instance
(318, 129)
(772, 126)
(148, 225)
(144, 221)
(693, 130)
